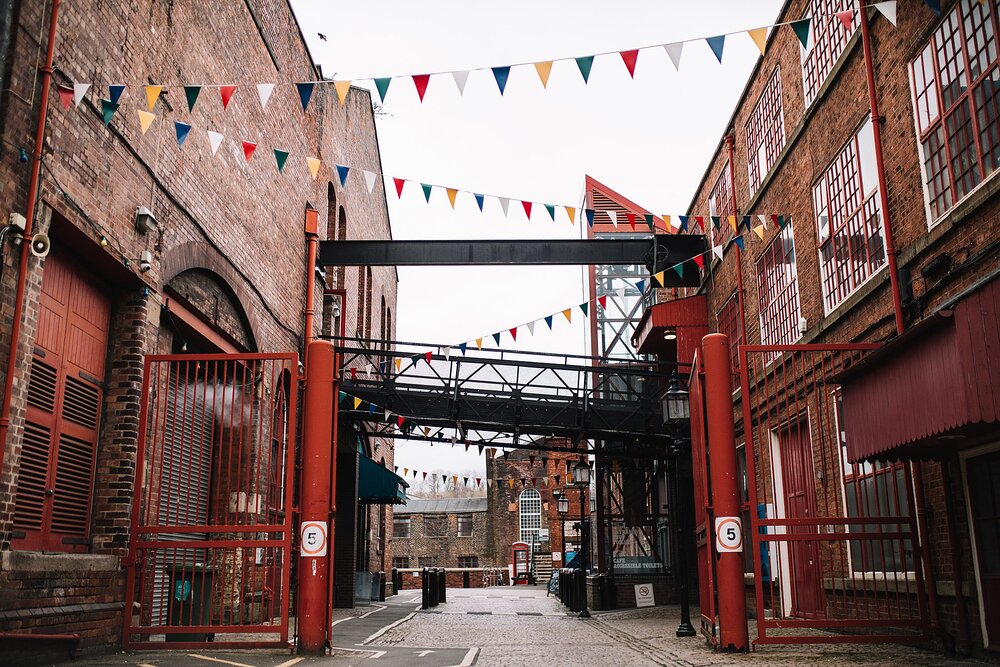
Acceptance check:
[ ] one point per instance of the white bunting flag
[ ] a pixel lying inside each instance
(264, 91)
(718, 250)
(674, 52)
(79, 92)
(368, 369)
(460, 79)
(504, 204)
(888, 10)
(369, 179)
(214, 140)
(447, 354)
(614, 218)
(621, 293)
(387, 415)
(531, 328)
(763, 221)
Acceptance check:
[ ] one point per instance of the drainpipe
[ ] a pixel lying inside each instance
(890, 250)
(730, 149)
(312, 238)
(22, 276)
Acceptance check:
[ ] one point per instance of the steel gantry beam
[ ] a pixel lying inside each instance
(657, 253)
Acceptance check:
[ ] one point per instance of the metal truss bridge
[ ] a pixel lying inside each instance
(505, 398)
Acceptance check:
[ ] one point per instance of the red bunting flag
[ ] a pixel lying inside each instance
(631, 220)
(400, 419)
(400, 182)
(603, 300)
(513, 333)
(527, 208)
(847, 18)
(227, 94)
(420, 81)
(630, 58)
(427, 356)
(700, 261)
(425, 475)
(354, 373)
(248, 148)
(479, 481)
(65, 95)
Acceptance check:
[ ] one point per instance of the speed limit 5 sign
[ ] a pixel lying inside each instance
(728, 534)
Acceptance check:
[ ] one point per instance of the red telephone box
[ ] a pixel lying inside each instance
(519, 557)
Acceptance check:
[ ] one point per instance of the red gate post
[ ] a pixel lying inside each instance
(317, 483)
(727, 531)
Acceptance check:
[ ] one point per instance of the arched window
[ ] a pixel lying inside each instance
(360, 324)
(530, 510)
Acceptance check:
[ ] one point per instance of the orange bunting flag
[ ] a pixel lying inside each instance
(145, 119)
(357, 402)
(313, 166)
(427, 431)
(510, 482)
(571, 212)
(544, 69)
(452, 193)
(731, 219)
(342, 88)
(568, 314)
(479, 343)
(759, 231)
(153, 94)
(759, 37)
(399, 362)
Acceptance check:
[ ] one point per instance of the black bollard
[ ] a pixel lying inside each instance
(395, 584)
(381, 586)
(425, 598)
(443, 590)
(434, 586)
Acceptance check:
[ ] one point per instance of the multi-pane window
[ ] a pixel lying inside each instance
(401, 526)
(956, 96)
(875, 490)
(530, 510)
(400, 562)
(720, 205)
(468, 561)
(435, 525)
(765, 132)
(464, 525)
(778, 291)
(728, 318)
(849, 219)
(827, 41)
(427, 561)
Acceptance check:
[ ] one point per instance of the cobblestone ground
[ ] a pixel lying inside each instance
(516, 626)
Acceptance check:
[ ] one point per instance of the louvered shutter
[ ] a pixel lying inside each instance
(54, 491)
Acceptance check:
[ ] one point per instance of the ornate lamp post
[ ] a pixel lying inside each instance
(562, 506)
(677, 412)
(581, 480)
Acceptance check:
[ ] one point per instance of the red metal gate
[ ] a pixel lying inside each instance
(835, 544)
(210, 547)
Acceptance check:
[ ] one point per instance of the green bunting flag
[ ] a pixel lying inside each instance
(280, 157)
(679, 268)
(552, 211)
(191, 94)
(584, 307)
(427, 191)
(801, 29)
(383, 87)
(585, 63)
(108, 109)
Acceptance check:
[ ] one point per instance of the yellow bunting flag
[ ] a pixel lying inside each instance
(759, 231)
(313, 166)
(152, 94)
(571, 212)
(544, 69)
(658, 277)
(510, 482)
(568, 313)
(399, 362)
(455, 479)
(452, 193)
(145, 119)
(759, 37)
(731, 219)
(357, 402)
(427, 431)
(666, 223)
(479, 343)
(342, 88)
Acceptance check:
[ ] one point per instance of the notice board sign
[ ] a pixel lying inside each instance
(644, 595)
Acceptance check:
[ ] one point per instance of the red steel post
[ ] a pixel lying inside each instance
(733, 635)
(311, 229)
(315, 534)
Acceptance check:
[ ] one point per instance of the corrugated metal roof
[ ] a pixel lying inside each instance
(441, 506)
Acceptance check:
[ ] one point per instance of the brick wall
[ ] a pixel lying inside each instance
(445, 549)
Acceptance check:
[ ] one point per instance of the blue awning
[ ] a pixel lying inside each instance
(378, 485)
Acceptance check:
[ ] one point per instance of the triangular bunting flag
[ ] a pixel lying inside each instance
(674, 53)
(589, 212)
(313, 166)
(264, 91)
(847, 18)
(613, 217)
(504, 204)
(398, 362)
(759, 231)
(108, 109)
(585, 307)
(679, 268)
(658, 278)
(552, 211)
(248, 148)
(399, 183)
(341, 396)
(382, 85)
(531, 327)
(603, 300)
(762, 219)
(526, 205)
(571, 213)
(718, 250)
(214, 141)
(145, 120)
(568, 314)
(428, 355)
(888, 10)
(630, 58)
(585, 63)
(700, 261)
(369, 179)
(115, 92)
(191, 95)
(480, 200)
(400, 419)
(226, 93)
(641, 286)
(649, 221)
(501, 74)
(731, 219)
(357, 402)
(759, 37)
(513, 333)
(152, 94)
(305, 92)
(462, 347)
(801, 29)
(544, 69)
(684, 222)
(420, 81)
(447, 353)
(427, 191)
(548, 321)
(280, 157)
(479, 343)
(452, 193)
(79, 92)
(934, 6)
(181, 129)
(717, 43)
(342, 172)
(738, 240)
(461, 77)
(342, 87)
(715, 221)
(496, 337)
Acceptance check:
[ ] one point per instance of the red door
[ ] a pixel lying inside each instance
(56, 473)
(984, 498)
(798, 484)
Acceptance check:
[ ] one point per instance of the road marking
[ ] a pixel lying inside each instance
(469, 658)
(289, 663)
(341, 620)
(224, 662)
(380, 608)
(376, 655)
(423, 654)
(386, 629)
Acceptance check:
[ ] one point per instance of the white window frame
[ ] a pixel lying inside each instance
(529, 497)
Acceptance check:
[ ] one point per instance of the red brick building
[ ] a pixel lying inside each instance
(225, 271)
(921, 193)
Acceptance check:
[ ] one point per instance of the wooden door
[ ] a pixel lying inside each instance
(798, 484)
(984, 498)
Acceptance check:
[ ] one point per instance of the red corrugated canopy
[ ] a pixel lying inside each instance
(932, 390)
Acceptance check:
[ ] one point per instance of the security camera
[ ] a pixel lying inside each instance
(145, 261)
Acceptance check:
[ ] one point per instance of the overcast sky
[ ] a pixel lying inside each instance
(649, 138)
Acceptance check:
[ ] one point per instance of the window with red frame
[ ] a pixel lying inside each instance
(728, 319)
(827, 40)
(849, 219)
(720, 204)
(955, 82)
(778, 291)
(765, 131)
